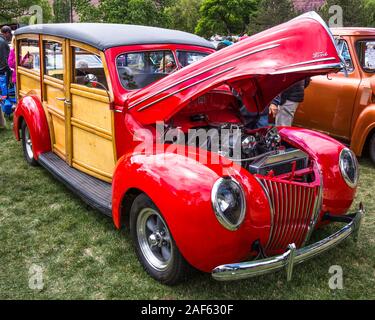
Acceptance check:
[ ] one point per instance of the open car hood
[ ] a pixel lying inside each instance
(258, 68)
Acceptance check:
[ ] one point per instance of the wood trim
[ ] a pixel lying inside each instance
(50, 123)
(31, 36)
(52, 38)
(84, 46)
(56, 112)
(53, 82)
(41, 70)
(29, 73)
(89, 95)
(18, 91)
(92, 171)
(67, 105)
(113, 136)
(100, 92)
(58, 151)
(22, 92)
(90, 128)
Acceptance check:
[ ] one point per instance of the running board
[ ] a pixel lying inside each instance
(96, 193)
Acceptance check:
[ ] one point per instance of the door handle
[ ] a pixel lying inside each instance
(64, 100)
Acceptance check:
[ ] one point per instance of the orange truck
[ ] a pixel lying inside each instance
(343, 104)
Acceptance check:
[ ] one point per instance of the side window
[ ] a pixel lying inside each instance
(29, 54)
(88, 68)
(343, 49)
(139, 69)
(53, 59)
(366, 55)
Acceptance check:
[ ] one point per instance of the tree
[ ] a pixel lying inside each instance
(61, 11)
(270, 14)
(86, 11)
(225, 16)
(11, 9)
(18, 10)
(183, 15)
(370, 12)
(354, 12)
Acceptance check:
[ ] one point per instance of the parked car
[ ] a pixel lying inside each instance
(213, 203)
(341, 105)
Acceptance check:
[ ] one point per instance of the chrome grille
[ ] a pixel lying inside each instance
(294, 208)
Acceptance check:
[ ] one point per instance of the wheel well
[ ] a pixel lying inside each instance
(20, 122)
(366, 145)
(126, 204)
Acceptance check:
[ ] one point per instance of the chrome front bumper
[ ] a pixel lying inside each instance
(290, 258)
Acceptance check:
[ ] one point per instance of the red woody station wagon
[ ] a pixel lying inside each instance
(145, 125)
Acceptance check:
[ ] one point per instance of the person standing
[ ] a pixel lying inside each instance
(12, 62)
(285, 105)
(5, 38)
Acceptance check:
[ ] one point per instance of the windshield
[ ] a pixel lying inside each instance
(139, 69)
(366, 54)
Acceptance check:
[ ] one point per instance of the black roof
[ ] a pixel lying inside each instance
(103, 35)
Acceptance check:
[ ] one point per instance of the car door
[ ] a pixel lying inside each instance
(90, 123)
(54, 94)
(329, 100)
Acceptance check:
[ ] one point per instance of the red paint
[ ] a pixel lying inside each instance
(30, 110)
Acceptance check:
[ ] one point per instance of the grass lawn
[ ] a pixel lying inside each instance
(84, 257)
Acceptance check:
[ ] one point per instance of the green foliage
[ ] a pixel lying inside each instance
(11, 9)
(225, 16)
(370, 12)
(61, 11)
(354, 12)
(86, 11)
(18, 10)
(183, 15)
(270, 14)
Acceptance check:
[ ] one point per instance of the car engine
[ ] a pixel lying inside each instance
(259, 151)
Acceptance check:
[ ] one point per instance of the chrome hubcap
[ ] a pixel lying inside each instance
(154, 239)
(29, 144)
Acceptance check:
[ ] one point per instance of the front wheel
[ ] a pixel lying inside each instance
(27, 145)
(155, 247)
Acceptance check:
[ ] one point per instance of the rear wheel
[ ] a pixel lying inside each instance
(155, 247)
(27, 145)
(371, 148)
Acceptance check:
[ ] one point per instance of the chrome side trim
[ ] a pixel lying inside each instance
(204, 71)
(316, 211)
(244, 270)
(307, 62)
(272, 207)
(315, 67)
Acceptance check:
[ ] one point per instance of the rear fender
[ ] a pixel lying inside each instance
(363, 127)
(30, 109)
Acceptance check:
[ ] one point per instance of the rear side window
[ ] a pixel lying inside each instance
(139, 69)
(53, 59)
(29, 56)
(366, 55)
(88, 65)
(188, 57)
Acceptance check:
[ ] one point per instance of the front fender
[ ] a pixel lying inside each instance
(181, 189)
(30, 109)
(325, 151)
(364, 125)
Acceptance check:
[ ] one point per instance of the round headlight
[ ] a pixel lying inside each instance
(228, 201)
(349, 167)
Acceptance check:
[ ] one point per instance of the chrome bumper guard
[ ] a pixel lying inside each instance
(290, 258)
